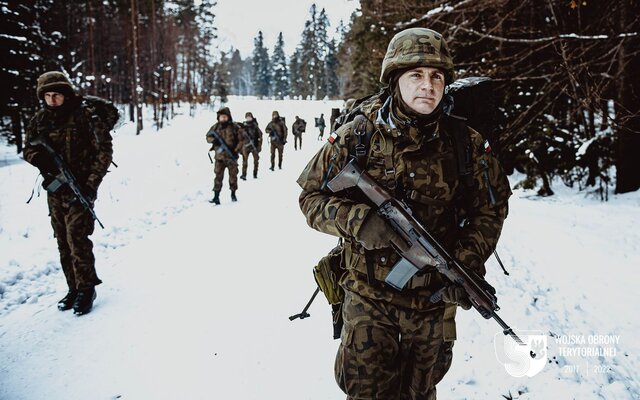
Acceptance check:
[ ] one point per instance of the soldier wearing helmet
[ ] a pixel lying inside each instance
(398, 344)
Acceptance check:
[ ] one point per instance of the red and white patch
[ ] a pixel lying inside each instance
(487, 147)
(333, 137)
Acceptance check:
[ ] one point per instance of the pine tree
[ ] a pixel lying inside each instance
(261, 68)
(295, 78)
(221, 78)
(321, 48)
(280, 70)
(235, 73)
(331, 71)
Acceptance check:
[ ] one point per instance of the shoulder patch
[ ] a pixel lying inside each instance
(333, 137)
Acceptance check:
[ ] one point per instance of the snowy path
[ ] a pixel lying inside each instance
(196, 298)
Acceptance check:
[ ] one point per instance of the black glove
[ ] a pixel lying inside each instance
(375, 233)
(45, 164)
(456, 295)
(90, 193)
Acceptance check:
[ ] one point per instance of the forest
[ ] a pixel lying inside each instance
(562, 103)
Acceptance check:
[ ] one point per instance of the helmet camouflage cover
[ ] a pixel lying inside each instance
(417, 47)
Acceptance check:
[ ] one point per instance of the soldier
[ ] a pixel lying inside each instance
(277, 131)
(252, 145)
(299, 126)
(227, 146)
(321, 124)
(397, 344)
(78, 132)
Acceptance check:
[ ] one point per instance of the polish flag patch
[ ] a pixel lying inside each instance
(487, 147)
(333, 137)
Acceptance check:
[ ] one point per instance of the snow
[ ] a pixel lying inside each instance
(196, 297)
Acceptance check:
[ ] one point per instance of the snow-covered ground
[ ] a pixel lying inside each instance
(196, 297)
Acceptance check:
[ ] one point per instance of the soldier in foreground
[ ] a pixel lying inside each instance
(69, 141)
(277, 131)
(298, 128)
(397, 344)
(226, 141)
(252, 144)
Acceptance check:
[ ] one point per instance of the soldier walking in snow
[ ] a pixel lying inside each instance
(298, 128)
(69, 141)
(277, 131)
(321, 124)
(252, 136)
(226, 141)
(397, 344)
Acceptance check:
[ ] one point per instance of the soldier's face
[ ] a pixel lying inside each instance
(223, 118)
(248, 119)
(54, 99)
(422, 89)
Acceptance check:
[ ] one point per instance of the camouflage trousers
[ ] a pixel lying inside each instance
(245, 161)
(280, 148)
(219, 168)
(389, 352)
(72, 226)
(297, 139)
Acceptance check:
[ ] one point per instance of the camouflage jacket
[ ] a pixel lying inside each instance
(426, 170)
(78, 136)
(277, 127)
(230, 133)
(299, 126)
(254, 133)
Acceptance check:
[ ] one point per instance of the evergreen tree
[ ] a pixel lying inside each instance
(331, 71)
(321, 49)
(261, 67)
(235, 73)
(295, 77)
(280, 70)
(221, 78)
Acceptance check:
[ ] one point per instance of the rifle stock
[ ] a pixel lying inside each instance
(422, 250)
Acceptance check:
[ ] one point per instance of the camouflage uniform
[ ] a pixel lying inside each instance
(252, 145)
(83, 141)
(277, 131)
(298, 127)
(321, 124)
(397, 344)
(230, 133)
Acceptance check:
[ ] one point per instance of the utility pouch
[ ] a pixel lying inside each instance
(328, 273)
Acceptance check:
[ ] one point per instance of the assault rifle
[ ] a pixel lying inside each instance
(248, 138)
(275, 135)
(223, 144)
(65, 177)
(423, 250)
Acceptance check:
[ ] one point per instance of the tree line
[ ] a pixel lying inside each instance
(565, 98)
(563, 73)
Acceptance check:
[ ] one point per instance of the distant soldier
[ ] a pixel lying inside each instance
(75, 131)
(252, 136)
(277, 131)
(299, 126)
(226, 140)
(321, 124)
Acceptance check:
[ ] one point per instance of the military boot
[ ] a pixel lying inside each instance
(271, 168)
(233, 196)
(216, 198)
(84, 301)
(255, 174)
(243, 177)
(67, 301)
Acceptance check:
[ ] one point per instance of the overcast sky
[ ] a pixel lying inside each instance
(238, 21)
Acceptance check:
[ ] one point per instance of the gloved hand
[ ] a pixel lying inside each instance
(90, 193)
(45, 164)
(375, 233)
(456, 295)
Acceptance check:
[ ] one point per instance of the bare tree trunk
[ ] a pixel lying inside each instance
(135, 81)
(627, 118)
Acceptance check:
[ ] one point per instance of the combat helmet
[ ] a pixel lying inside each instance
(417, 47)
